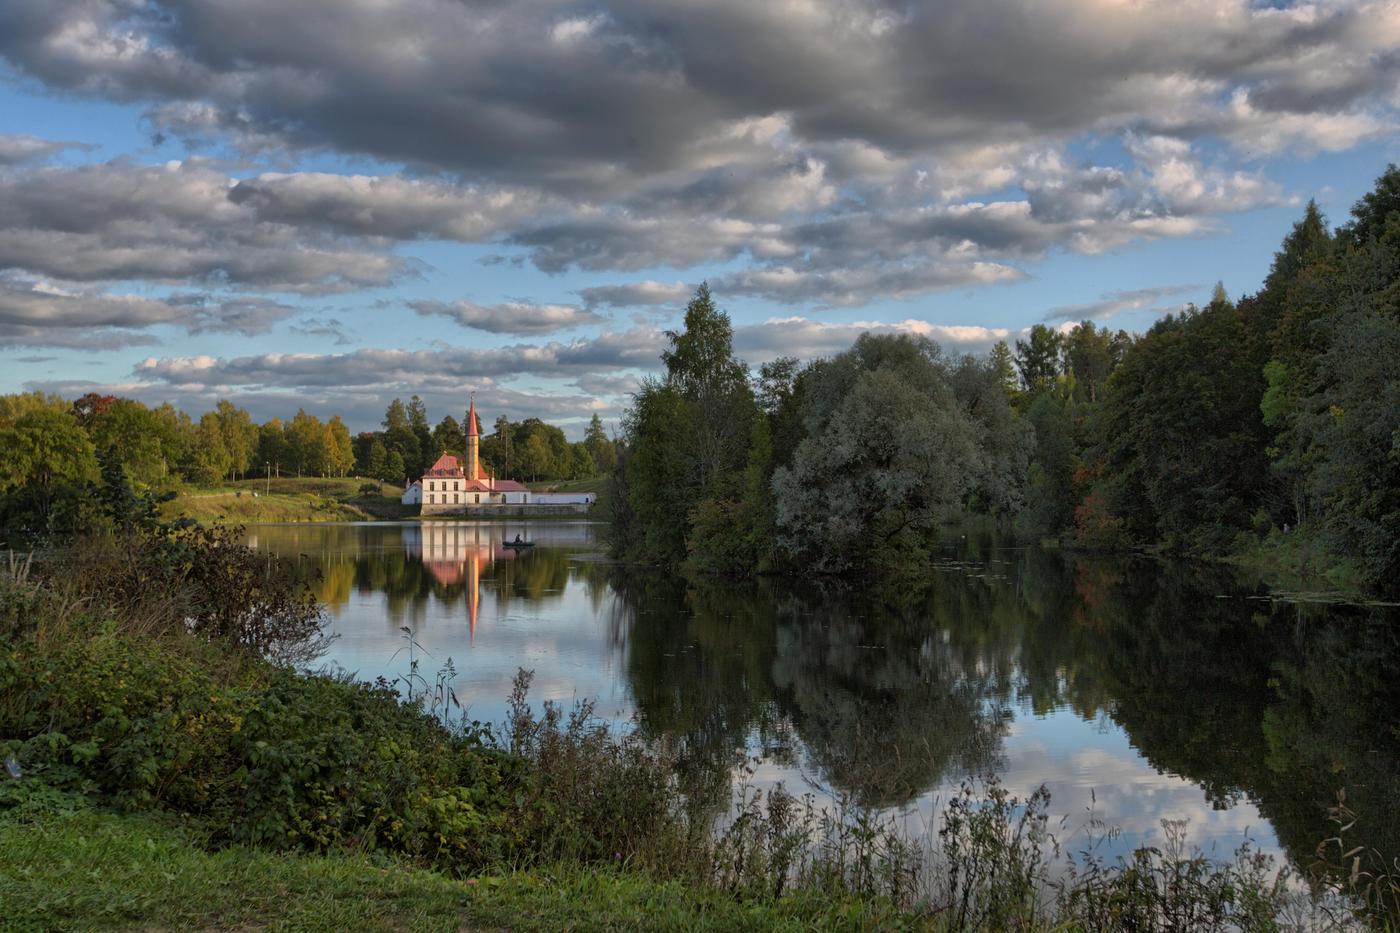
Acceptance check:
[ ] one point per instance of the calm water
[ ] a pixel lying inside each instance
(1136, 691)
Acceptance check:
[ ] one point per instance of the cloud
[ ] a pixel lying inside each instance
(171, 223)
(329, 328)
(361, 409)
(590, 97)
(519, 318)
(644, 294)
(637, 348)
(827, 152)
(36, 312)
(808, 339)
(1112, 304)
(385, 206)
(15, 149)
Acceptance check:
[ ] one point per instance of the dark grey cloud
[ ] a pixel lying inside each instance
(518, 318)
(15, 149)
(590, 94)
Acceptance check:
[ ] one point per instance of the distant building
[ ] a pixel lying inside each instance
(452, 486)
(412, 493)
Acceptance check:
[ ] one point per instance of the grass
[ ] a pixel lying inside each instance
(89, 869)
(290, 499)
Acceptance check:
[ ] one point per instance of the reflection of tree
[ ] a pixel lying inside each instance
(1278, 704)
(698, 662)
(884, 705)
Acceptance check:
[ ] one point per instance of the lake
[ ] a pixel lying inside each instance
(1137, 691)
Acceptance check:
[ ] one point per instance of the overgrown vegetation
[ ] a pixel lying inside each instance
(1225, 431)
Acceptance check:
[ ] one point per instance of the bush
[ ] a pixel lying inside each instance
(371, 489)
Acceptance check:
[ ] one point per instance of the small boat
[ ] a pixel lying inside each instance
(518, 545)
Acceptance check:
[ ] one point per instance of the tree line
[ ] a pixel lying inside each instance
(52, 451)
(530, 449)
(1264, 426)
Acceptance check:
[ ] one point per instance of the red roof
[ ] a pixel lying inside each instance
(472, 429)
(446, 465)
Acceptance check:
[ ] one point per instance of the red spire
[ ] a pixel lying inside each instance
(472, 430)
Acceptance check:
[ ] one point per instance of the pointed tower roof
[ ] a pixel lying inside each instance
(472, 429)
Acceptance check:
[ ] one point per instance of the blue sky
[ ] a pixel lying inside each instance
(331, 203)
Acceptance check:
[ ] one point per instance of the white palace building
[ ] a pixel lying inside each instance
(450, 486)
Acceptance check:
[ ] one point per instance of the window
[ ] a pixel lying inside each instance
(430, 498)
(478, 498)
(524, 498)
(454, 498)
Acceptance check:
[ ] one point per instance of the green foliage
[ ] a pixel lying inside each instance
(1038, 358)
(889, 464)
(46, 460)
(686, 441)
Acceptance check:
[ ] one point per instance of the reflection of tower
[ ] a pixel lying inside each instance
(473, 442)
(473, 591)
(455, 553)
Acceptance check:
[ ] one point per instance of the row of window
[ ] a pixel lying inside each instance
(476, 499)
(433, 485)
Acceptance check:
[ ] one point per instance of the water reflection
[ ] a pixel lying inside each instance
(1144, 690)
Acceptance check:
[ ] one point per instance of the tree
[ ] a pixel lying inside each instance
(1005, 368)
(1088, 352)
(340, 449)
(1038, 359)
(92, 406)
(601, 453)
(273, 450)
(891, 463)
(700, 364)
(536, 459)
(130, 435)
(240, 436)
(448, 437)
(209, 459)
(44, 455)
(377, 463)
(400, 436)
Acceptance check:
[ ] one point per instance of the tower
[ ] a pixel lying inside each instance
(473, 442)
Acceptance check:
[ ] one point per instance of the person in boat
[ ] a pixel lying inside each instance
(517, 539)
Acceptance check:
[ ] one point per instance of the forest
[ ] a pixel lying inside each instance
(52, 452)
(1264, 429)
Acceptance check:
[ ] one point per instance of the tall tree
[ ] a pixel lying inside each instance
(1038, 359)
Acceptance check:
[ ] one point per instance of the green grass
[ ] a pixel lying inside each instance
(90, 870)
(290, 499)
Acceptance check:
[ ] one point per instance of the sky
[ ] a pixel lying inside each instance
(327, 204)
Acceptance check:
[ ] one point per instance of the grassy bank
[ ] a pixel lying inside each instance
(290, 499)
(79, 868)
